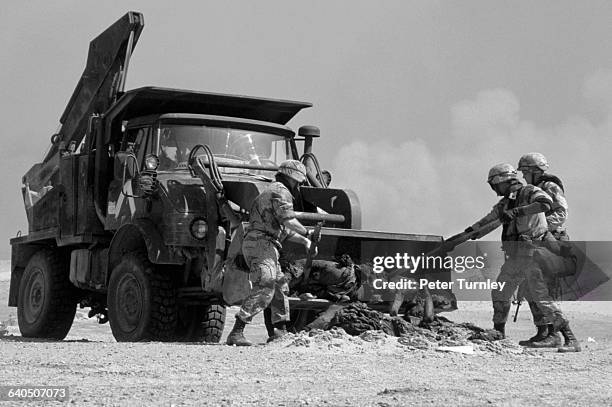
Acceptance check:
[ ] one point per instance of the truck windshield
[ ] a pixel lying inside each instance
(229, 146)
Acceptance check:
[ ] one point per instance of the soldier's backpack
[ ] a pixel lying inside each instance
(562, 261)
(549, 177)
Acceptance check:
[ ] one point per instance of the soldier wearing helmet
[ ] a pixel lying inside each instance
(271, 221)
(534, 166)
(521, 212)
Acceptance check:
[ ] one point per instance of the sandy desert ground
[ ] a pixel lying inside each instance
(332, 370)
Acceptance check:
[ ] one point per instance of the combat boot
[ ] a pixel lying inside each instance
(552, 340)
(571, 343)
(540, 335)
(236, 336)
(280, 330)
(501, 328)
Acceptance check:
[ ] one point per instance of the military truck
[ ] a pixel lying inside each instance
(134, 204)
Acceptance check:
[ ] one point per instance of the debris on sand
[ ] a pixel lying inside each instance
(357, 318)
(356, 327)
(502, 347)
(333, 338)
(465, 349)
(337, 340)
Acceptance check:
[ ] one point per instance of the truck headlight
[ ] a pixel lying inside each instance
(199, 228)
(151, 162)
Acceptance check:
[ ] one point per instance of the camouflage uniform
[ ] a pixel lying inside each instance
(556, 225)
(557, 217)
(260, 249)
(520, 266)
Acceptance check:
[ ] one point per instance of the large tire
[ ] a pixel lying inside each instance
(47, 300)
(141, 301)
(201, 323)
(213, 323)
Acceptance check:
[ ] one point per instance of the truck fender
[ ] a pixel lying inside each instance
(20, 256)
(136, 235)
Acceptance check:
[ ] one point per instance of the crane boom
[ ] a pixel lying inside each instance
(102, 81)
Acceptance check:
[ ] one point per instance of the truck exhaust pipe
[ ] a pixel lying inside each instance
(308, 132)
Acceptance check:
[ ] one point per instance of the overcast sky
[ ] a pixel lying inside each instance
(415, 100)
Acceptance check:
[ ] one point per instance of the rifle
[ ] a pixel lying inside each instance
(520, 294)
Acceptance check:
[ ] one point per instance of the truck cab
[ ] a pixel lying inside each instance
(242, 149)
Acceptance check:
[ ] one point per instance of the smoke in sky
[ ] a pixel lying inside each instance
(396, 184)
(423, 186)
(597, 89)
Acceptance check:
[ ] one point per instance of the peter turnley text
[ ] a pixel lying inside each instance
(460, 283)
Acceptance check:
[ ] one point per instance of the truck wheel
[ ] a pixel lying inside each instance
(201, 324)
(47, 301)
(141, 301)
(213, 323)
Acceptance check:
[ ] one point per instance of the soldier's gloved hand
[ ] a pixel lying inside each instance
(469, 230)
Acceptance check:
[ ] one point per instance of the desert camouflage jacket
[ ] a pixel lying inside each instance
(524, 227)
(270, 209)
(558, 215)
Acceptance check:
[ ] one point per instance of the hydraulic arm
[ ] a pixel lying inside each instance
(101, 83)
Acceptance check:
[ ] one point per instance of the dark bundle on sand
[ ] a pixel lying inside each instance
(357, 318)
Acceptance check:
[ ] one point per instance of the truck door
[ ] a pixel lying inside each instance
(124, 204)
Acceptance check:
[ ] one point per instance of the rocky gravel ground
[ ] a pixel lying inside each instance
(320, 368)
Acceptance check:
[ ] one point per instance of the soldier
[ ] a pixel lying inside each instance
(271, 221)
(534, 166)
(244, 147)
(521, 211)
(168, 151)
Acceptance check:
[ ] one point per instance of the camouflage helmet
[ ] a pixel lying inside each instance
(532, 160)
(502, 173)
(293, 169)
